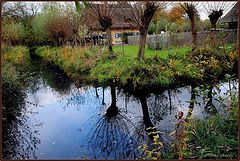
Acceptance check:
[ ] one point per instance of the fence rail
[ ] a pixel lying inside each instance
(184, 38)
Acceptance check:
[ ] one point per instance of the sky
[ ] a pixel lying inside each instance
(202, 12)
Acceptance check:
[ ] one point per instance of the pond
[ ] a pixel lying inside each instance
(58, 118)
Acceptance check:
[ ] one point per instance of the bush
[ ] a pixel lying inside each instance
(212, 62)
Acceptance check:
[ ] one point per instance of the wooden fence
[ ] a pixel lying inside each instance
(166, 40)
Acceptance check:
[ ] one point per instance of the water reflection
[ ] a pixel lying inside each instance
(108, 122)
(159, 109)
(191, 102)
(113, 110)
(20, 137)
(111, 136)
(52, 76)
(103, 103)
(210, 107)
(56, 79)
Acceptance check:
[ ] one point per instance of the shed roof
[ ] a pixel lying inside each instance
(232, 15)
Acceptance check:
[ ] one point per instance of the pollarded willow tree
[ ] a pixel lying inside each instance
(191, 11)
(141, 14)
(215, 10)
(101, 15)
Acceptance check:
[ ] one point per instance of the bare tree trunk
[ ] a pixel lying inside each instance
(213, 26)
(194, 33)
(91, 39)
(109, 40)
(80, 37)
(213, 36)
(142, 43)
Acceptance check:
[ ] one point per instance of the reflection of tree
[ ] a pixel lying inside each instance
(112, 138)
(96, 90)
(158, 106)
(192, 102)
(209, 107)
(113, 109)
(170, 101)
(79, 97)
(50, 74)
(55, 78)
(146, 119)
(103, 103)
(76, 98)
(19, 140)
(150, 128)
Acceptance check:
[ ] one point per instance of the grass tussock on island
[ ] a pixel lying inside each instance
(159, 68)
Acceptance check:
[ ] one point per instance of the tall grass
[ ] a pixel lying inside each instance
(215, 138)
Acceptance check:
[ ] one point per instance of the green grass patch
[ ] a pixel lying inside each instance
(132, 51)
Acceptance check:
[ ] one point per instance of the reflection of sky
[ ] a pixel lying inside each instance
(63, 130)
(46, 98)
(67, 124)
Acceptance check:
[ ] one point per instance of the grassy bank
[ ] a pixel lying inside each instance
(159, 68)
(15, 64)
(215, 137)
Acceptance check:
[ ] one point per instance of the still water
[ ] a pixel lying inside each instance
(62, 119)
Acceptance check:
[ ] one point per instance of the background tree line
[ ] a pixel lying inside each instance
(57, 24)
(41, 24)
